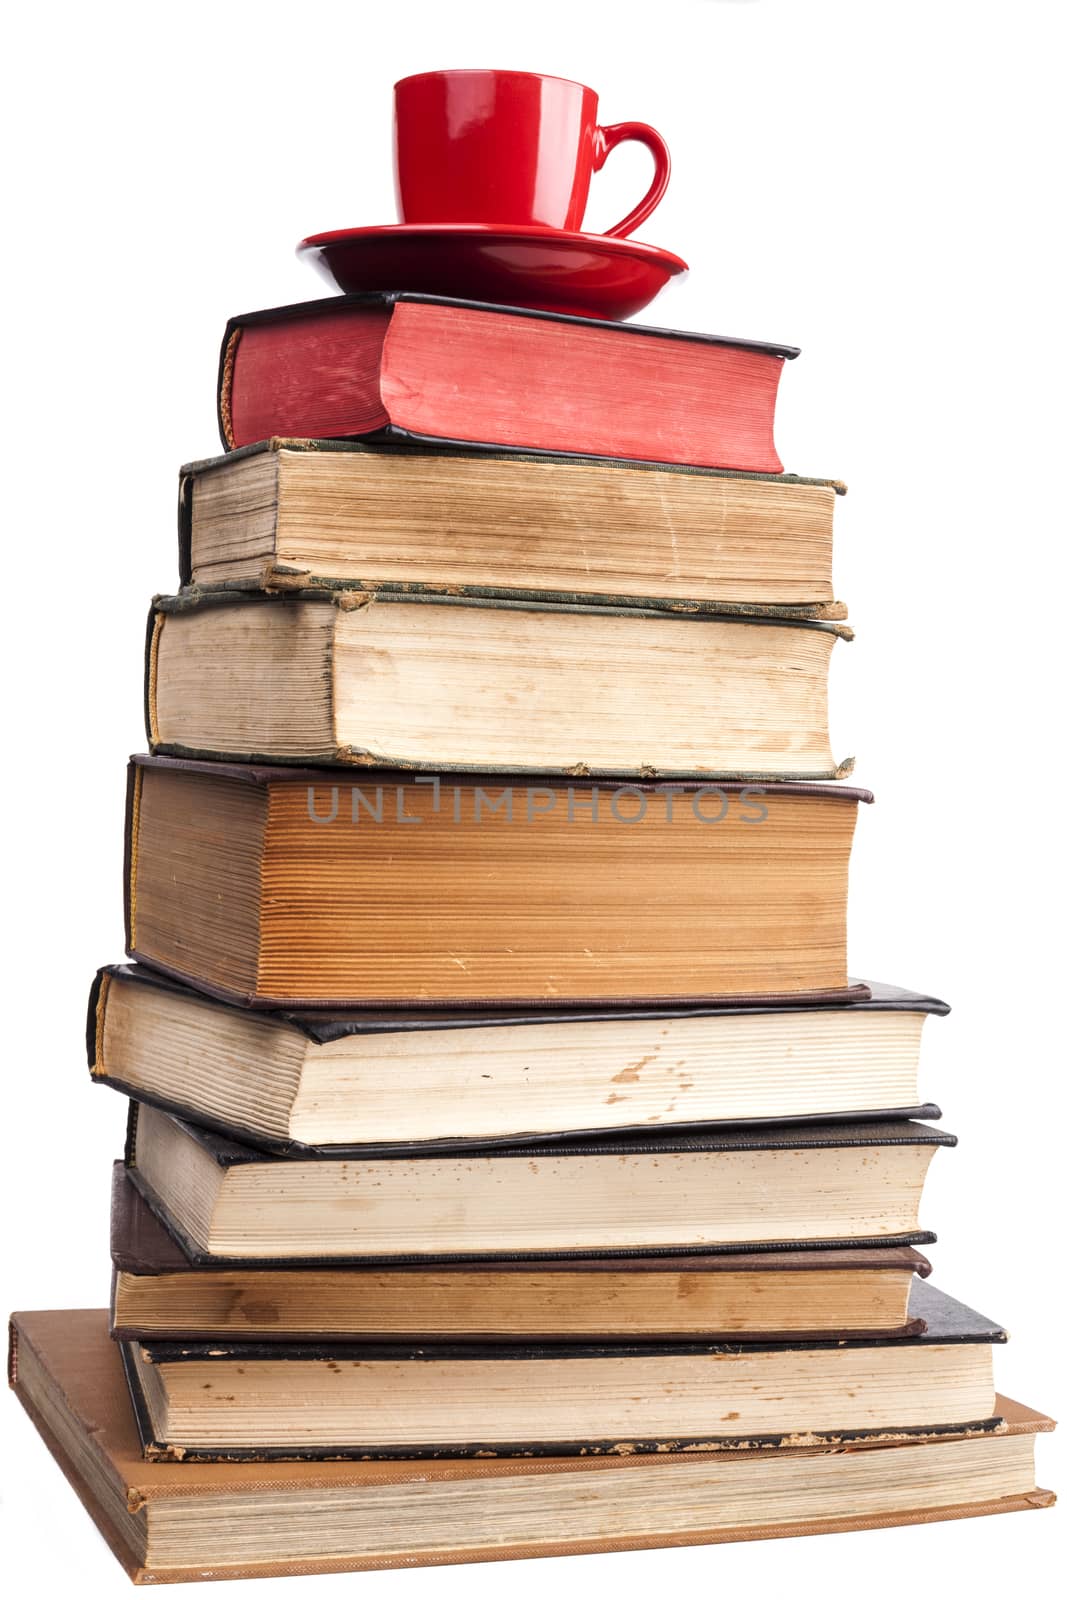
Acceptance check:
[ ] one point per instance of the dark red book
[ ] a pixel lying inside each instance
(419, 367)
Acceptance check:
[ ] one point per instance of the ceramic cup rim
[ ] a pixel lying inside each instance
(490, 72)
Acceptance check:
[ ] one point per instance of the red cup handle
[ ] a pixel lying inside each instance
(605, 140)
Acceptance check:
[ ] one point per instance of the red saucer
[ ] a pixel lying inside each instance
(542, 269)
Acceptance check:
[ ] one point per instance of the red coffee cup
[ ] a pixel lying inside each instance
(504, 148)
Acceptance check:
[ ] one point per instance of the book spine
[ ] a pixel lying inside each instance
(186, 487)
(94, 1021)
(153, 633)
(129, 854)
(227, 356)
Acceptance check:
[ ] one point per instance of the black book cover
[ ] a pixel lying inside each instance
(321, 1028)
(227, 1153)
(948, 1322)
(142, 1247)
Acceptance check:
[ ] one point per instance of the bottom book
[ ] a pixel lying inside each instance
(180, 1521)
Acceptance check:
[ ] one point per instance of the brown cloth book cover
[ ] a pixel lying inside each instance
(75, 1371)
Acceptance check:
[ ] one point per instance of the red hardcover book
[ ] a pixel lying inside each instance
(418, 367)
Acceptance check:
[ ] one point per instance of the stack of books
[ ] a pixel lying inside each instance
(512, 1167)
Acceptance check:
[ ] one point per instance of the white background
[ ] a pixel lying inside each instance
(873, 182)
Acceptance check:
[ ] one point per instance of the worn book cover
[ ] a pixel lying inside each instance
(184, 1521)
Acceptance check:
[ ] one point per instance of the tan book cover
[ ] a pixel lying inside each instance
(68, 1375)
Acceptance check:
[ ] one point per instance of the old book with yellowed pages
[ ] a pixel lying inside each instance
(438, 683)
(175, 1521)
(158, 1293)
(854, 1183)
(276, 886)
(240, 1400)
(288, 1081)
(497, 523)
